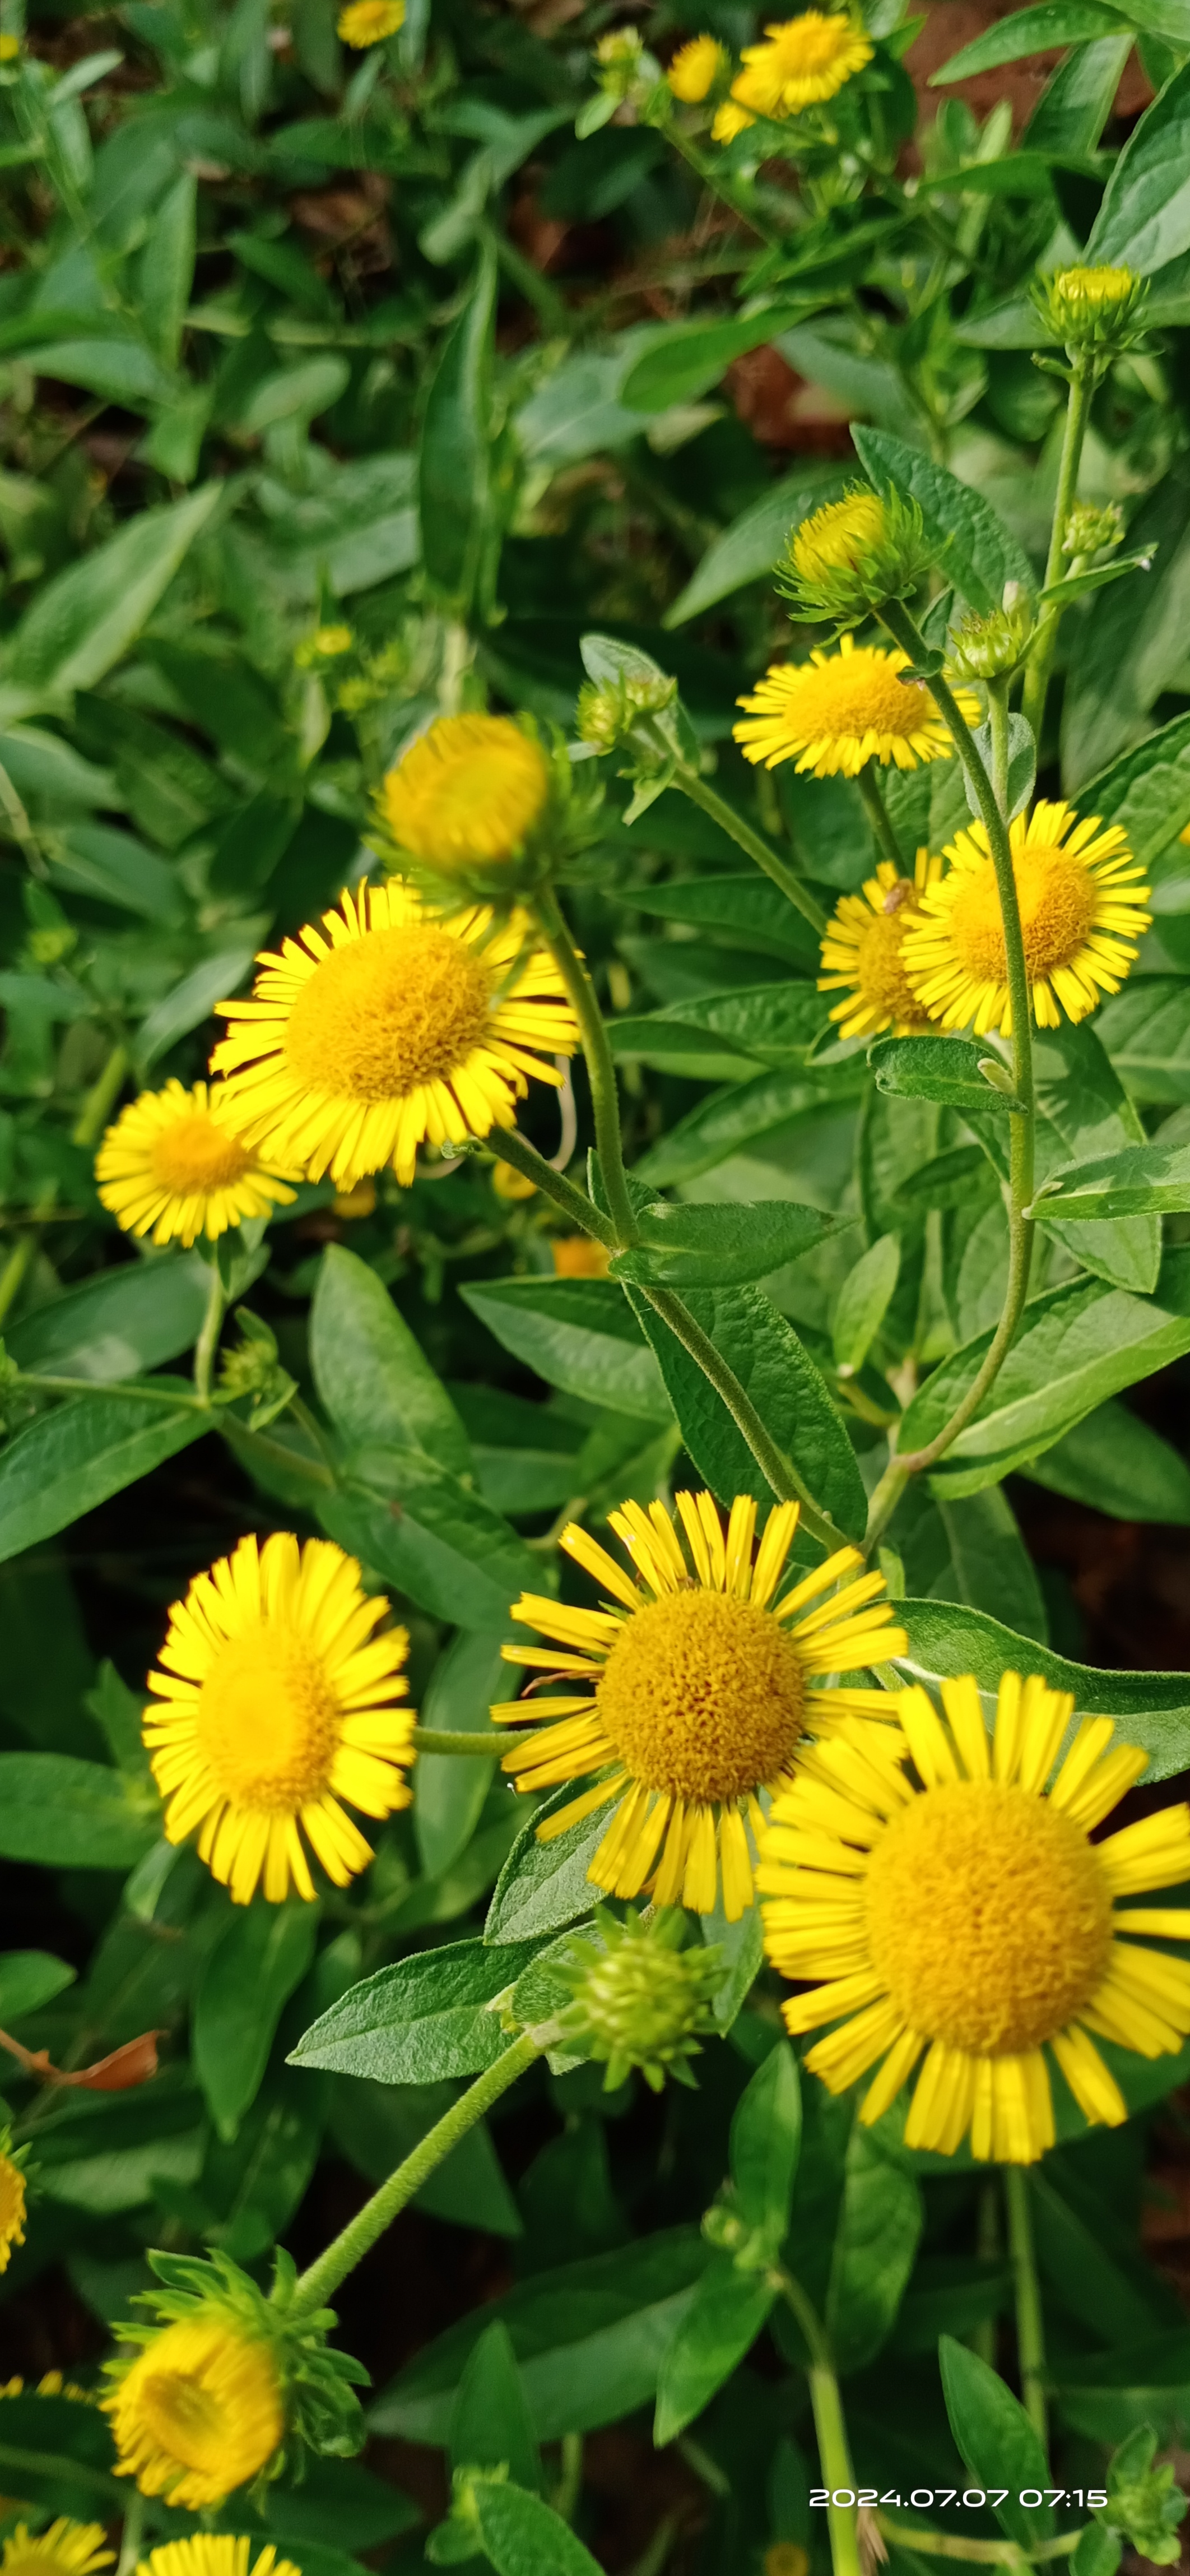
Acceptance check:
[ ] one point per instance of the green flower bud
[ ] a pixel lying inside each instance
(608, 709)
(984, 648)
(1088, 530)
(854, 554)
(253, 1369)
(1093, 308)
(640, 2000)
(1143, 2502)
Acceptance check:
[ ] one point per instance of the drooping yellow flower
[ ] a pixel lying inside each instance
(199, 2411)
(862, 952)
(838, 710)
(835, 538)
(730, 120)
(65, 2549)
(176, 1163)
(368, 22)
(804, 61)
(1080, 898)
(388, 1026)
(279, 1702)
(695, 69)
(702, 1690)
(468, 790)
(971, 1917)
(12, 2209)
(213, 2553)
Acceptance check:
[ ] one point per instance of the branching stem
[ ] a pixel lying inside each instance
(601, 1071)
(1078, 413)
(753, 843)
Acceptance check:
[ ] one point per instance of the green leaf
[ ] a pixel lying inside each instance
(260, 1956)
(370, 1370)
(754, 542)
(862, 1303)
(975, 550)
(1119, 1465)
(524, 2537)
(1146, 791)
(122, 371)
(579, 1335)
(87, 858)
(1022, 758)
(449, 1789)
(747, 908)
(424, 2019)
(691, 357)
(167, 268)
(68, 1461)
(375, 2126)
(734, 1118)
(1032, 31)
(29, 1979)
(943, 1069)
(766, 2138)
(428, 1534)
(876, 2241)
(996, 2442)
(1077, 100)
(776, 1371)
(1146, 1031)
(1150, 1709)
(969, 1551)
(775, 1024)
(1120, 663)
(73, 1815)
(1141, 1180)
(715, 2334)
(719, 1247)
(1109, 2395)
(490, 2426)
(454, 467)
(544, 1885)
(86, 617)
(1144, 219)
(117, 1324)
(192, 1001)
(1085, 1111)
(1114, 2303)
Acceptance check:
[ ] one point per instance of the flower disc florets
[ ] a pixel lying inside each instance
(987, 648)
(855, 554)
(641, 2000)
(1093, 308)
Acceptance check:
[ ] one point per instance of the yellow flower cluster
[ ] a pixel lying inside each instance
(803, 62)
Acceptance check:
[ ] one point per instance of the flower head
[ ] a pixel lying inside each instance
(368, 22)
(695, 69)
(968, 1915)
(839, 710)
(988, 646)
(640, 1999)
(176, 1163)
(1080, 906)
(854, 554)
(862, 952)
(702, 1690)
(388, 1026)
(65, 2549)
(279, 1702)
(12, 2200)
(1093, 308)
(730, 120)
(805, 60)
(467, 792)
(213, 2553)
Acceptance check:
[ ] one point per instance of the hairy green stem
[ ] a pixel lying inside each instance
(140, 1387)
(322, 2279)
(877, 813)
(834, 2451)
(442, 1739)
(1030, 2327)
(601, 1071)
(998, 722)
(208, 1339)
(524, 1157)
(984, 2553)
(1078, 413)
(777, 1470)
(99, 1102)
(753, 843)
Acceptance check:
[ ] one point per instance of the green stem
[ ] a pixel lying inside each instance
(140, 1387)
(570, 2484)
(97, 1107)
(834, 2452)
(132, 2535)
(435, 1739)
(998, 722)
(719, 185)
(778, 1471)
(208, 1339)
(16, 1268)
(1030, 2327)
(756, 847)
(987, 2246)
(984, 2553)
(349, 2247)
(1078, 413)
(877, 813)
(601, 1071)
(524, 1157)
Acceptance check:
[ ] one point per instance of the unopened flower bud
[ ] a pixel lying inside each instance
(854, 554)
(1143, 2502)
(253, 1369)
(1093, 308)
(984, 648)
(697, 69)
(640, 2001)
(1088, 530)
(608, 709)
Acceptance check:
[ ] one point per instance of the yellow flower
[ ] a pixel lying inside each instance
(837, 537)
(10, 47)
(388, 1026)
(468, 790)
(838, 710)
(176, 1162)
(730, 120)
(863, 953)
(368, 22)
(508, 1183)
(695, 69)
(213, 2553)
(1090, 307)
(279, 1702)
(1080, 905)
(578, 1256)
(65, 2549)
(357, 1201)
(199, 2411)
(12, 2209)
(702, 1690)
(969, 1914)
(806, 60)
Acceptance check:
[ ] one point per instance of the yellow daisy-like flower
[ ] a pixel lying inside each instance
(695, 69)
(1081, 914)
(702, 1690)
(839, 710)
(862, 952)
(279, 1702)
(368, 22)
(968, 1914)
(469, 789)
(176, 1164)
(730, 120)
(12, 2209)
(390, 1026)
(199, 2412)
(65, 2549)
(835, 538)
(805, 61)
(213, 2553)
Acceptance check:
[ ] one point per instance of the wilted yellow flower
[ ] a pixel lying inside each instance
(862, 951)
(368, 22)
(805, 61)
(695, 69)
(177, 1165)
(1081, 914)
(839, 710)
(468, 790)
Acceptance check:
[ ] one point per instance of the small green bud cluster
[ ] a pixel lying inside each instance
(629, 77)
(986, 648)
(608, 709)
(1143, 2503)
(641, 2000)
(1093, 309)
(854, 555)
(1089, 531)
(253, 1368)
(755, 2249)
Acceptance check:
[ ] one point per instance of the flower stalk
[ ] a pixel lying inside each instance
(1030, 2324)
(778, 1471)
(751, 842)
(834, 2451)
(601, 1071)
(878, 816)
(208, 1339)
(1084, 377)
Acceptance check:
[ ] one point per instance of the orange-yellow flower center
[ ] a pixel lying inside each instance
(879, 963)
(388, 1011)
(858, 693)
(702, 1695)
(1057, 898)
(988, 1916)
(195, 1154)
(267, 1722)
